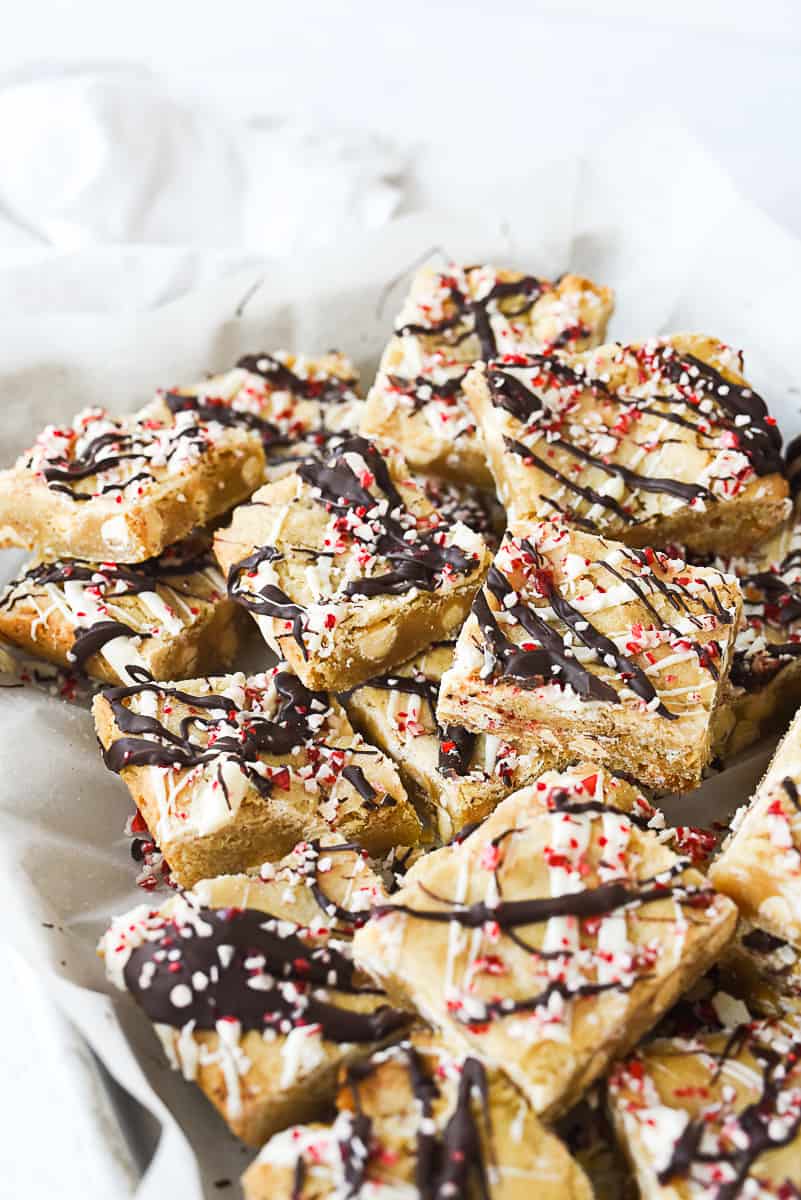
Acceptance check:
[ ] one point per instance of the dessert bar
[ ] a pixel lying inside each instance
(650, 443)
(714, 1114)
(578, 645)
(414, 1121)
(170, 615)
(230, 772)
(550, 939)
(450, 319)
(295, 402)
(347, 568)
(125, 488)
(251, 986)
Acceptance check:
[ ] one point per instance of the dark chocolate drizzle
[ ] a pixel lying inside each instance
(335, 484)
(146, 741)
(421, 390)
(599, 901)
(760, 942)
(450, 1161)
(471, 316)
(110, 582)
(456, 744)
(791, 792)
(579, 489)
(207, 408)
(329, 391)
(754, 1122)
(89, 639)
(772, 599)
(760, 439)
(551, 660)
(252, 994)
(123, 444)
(692, 379)
(330, 907)
(269, 600)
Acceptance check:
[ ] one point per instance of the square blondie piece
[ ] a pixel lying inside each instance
(170, 615)
(346, 566)
(450, 319)
(650, 443)
(296, 402)
(458, 776)
(549, 940)
(414, 1121)
(125, 488)
(230, 772)
(760, 864)
(250, 984)
(580, 646)
(715, 1114)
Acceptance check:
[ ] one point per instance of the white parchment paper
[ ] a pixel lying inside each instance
(648, 214)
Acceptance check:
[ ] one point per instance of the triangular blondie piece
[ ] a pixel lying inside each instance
(549, 940)
(714, 1114)
(125, 488)
(170, 614)
(765, 679)
(250, 984)
(415, 1121)
(760, 865)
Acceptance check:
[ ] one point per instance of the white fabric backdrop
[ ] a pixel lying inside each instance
(126, 184)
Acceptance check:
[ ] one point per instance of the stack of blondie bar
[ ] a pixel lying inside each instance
(429, 934)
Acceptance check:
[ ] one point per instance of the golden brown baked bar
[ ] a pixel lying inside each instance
(347, 568)
(296, 402)
(250, 984)
(170, 615)
(231, 772)
(451, 318)
(549, 940)
(416, 1122)
(650, 443)
(459, 776)
(714, 1116)
(578, 645)
(125, 488)
(760, 864)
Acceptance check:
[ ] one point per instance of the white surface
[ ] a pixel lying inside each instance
(474, 101)
(474, 90)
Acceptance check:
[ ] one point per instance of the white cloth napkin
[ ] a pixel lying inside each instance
(95, 160)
